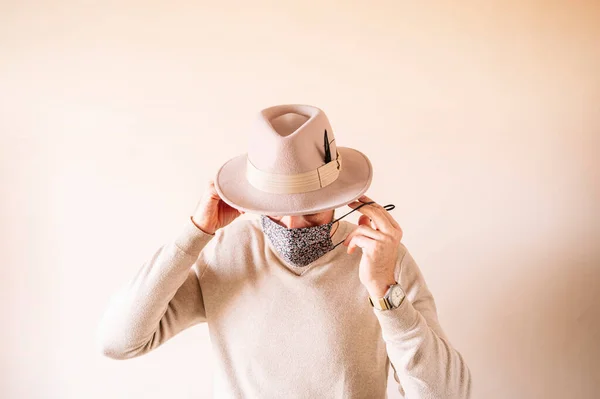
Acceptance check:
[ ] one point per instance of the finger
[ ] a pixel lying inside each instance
(393, 221)
(366, 231)
(241, 212)
(361, 241)
(365, 220)
(211, 191)
(376, 215)
(238, 209)
(225, 210)
(384, 211)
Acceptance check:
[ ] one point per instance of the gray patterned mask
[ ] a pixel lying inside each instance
(302, 246)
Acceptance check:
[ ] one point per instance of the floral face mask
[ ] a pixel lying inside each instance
(302, 246)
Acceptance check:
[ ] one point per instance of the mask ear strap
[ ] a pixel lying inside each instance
(387, 207)
(346, 214)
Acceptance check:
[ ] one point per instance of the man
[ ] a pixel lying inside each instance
(290, 313)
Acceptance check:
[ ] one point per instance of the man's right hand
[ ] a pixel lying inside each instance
(212, 213)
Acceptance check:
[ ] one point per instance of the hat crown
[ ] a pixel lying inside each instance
(289, 139)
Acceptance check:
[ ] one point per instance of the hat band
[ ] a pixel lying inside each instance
(277, 183)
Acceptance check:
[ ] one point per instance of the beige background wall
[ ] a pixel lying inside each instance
(481, 120)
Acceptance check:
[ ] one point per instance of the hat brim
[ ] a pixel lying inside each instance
(354, 179)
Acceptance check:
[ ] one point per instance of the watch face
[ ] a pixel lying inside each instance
(396, 295)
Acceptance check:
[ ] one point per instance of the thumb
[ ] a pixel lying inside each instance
(364, 220)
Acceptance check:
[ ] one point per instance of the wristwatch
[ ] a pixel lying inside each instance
(392, 298)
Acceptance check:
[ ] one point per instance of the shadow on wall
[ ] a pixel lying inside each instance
(543, 330)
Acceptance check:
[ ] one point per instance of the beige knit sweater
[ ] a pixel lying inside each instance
(280, 331)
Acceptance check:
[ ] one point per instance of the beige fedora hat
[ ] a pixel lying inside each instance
(293, 166)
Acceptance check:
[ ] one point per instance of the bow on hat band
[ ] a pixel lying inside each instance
(277, 183)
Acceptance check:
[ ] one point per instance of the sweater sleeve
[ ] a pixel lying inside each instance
(163, 298)
(425, 363)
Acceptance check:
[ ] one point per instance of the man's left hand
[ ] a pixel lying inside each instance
(379, 236)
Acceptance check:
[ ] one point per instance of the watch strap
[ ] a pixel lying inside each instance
(380, 303)
(383, 303)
